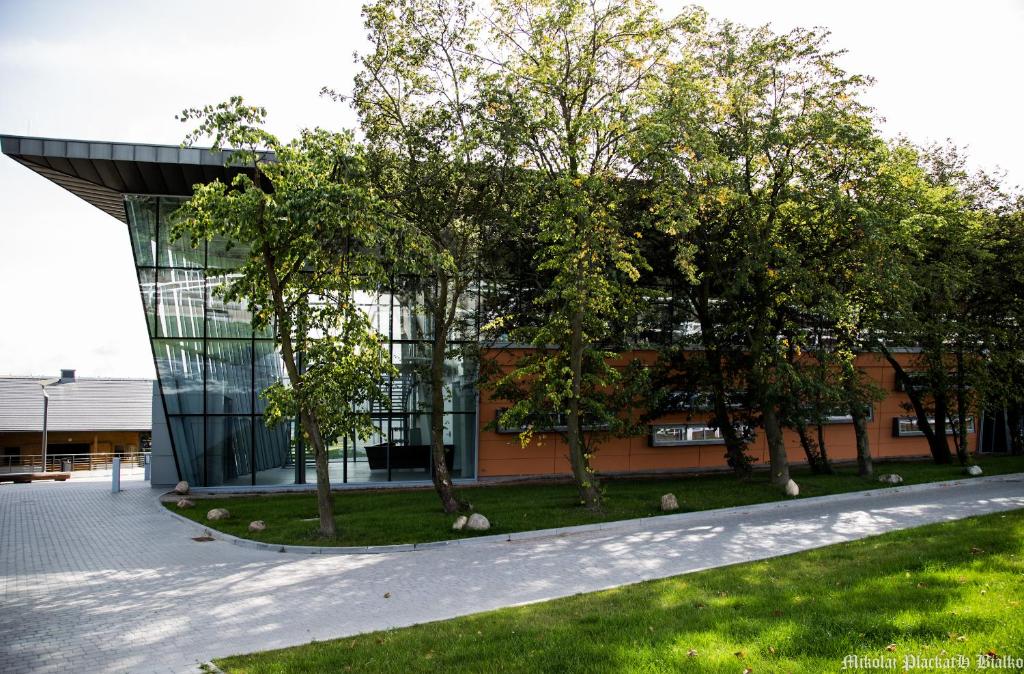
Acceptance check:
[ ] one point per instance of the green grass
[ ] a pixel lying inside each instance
(386, 517)
(940, 590)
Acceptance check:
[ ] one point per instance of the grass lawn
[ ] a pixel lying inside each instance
(386, 517)
(936, 591)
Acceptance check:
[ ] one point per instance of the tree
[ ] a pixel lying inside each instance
(1002, 391)
(960, 302)
(858, 260)
(565, 98)
(417, 97)
(927, 312)
(742, 133)
(305, 215)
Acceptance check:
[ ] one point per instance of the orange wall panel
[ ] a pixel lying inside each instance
(547, 453)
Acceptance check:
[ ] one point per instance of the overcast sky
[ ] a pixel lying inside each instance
(119, 71)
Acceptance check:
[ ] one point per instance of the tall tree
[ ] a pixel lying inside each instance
(950, 312)
(1002, 392)
(417, 96)
(566, 98)
(746, 118)
(304, 215)
(931, 312)
(857, 256)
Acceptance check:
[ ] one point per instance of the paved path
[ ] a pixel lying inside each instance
(97, 582)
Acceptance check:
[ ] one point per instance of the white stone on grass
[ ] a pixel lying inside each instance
(257, 526)
(477, 522)
(890, 478)
(973, 470)
(185, 503)
(218, 514)
(792, 489)
(669, 503)
(181, 488)
(459, 523)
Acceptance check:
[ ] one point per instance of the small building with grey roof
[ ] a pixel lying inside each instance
(85, 416)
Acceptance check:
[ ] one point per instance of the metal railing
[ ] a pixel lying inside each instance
(58, 462)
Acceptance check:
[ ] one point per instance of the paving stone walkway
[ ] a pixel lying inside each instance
(97, 582)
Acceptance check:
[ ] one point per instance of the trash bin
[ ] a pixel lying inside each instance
(65, 465)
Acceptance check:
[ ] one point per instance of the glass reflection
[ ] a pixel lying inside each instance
(141, 213)
(179, 366)
(228, 450)
(180, 294)
(187, 436)
(212, 368)
(228, 377)
(171, 251)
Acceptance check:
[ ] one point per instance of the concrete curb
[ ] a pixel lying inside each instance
(636, 524)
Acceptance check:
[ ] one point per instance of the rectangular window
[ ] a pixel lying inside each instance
(918, 380)
(669, 435)
(839, 418)
(907, 426)
(702, 401)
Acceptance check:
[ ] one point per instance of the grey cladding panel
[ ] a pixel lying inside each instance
(101, 173)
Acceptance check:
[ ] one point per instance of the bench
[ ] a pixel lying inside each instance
(405, 457)
(25, 478)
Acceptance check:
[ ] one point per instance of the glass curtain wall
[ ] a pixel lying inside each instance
(211, 368)
(399, 448)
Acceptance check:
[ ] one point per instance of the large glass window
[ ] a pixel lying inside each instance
(229, 376)
(212, 368)
(172, 251)
(908, 426)
(180, 301)
(179, 367)
(142, 218)
(187, 437)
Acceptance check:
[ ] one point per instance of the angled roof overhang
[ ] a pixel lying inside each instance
(102, 173)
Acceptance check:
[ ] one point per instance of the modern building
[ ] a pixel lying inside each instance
(211, 366)
(87, 420)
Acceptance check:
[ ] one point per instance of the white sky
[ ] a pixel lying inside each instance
(119, 71)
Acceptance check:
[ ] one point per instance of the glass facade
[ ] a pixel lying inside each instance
(211, 368)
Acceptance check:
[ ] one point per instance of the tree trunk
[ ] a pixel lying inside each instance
(962, 453)
(735, 448)
(1015, 440)
(325, 506)
(776, 445)
(324, 503)
(941, 448)
(936, 443)
(810, 449)
(586, 479)
(860, 431)
(441, 477)
(778, 462)
(826, 464)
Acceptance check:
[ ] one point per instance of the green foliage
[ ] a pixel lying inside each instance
(761, 166)
(303, 217)
(391, 517)
(309, 222)
(565, 97)
(958, 299)
(417, 97)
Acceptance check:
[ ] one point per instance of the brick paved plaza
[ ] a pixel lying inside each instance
(98, 582)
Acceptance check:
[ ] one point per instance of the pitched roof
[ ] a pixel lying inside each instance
(85, 404)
